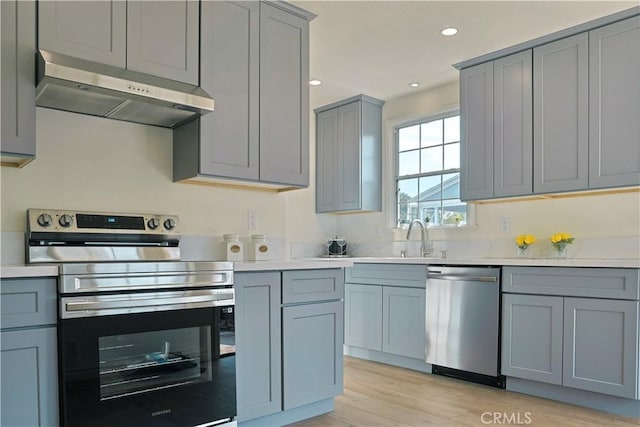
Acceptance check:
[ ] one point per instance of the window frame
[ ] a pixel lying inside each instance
(395, 127)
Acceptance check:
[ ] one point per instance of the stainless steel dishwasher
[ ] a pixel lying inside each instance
(463, 323)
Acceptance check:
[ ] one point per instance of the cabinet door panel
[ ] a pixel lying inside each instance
(403, 321)
(614, 88)
(476, 115)
(230, 74)
(29, 391)
(327, 177)
(363, 316)
(163, 39)
(258, 338)
(601, 346)
(532, 337)
(513, 120)
(91, 30)
(560, 112)
(312, 352)
(349, 140)
(284, 97)
(18, 124)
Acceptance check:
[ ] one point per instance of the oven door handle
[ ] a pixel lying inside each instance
(103, 305)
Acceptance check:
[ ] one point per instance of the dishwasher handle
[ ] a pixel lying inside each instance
(461, 277)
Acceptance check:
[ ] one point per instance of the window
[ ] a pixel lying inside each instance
(428, 172)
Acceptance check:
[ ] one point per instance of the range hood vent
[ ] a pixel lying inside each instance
(79, 86)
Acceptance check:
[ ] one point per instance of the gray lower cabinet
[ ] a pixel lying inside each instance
(349, 155)
(561, 115)
(258, 340)
(403, 320)
(160, 38)
(312, 337)
(18, 120)
(363, 316)
(28, 343)
(584, 343)
(254, 63)
(614, 104)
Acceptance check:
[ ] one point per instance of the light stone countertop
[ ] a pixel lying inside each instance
(17, 271)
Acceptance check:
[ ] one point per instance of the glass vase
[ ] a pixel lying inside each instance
(560, 251)
(522, 252)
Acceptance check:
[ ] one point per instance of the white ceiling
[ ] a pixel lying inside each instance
(378, 47)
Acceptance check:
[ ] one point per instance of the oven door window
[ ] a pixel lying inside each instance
(161, 368)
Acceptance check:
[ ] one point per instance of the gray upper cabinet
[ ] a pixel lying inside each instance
(601, 346)
(91, 30)
(476, 133)
(163, 38)
(349, 155)
(560, 112)
(258, 340)
(18, 121)
(513, 120)
(160, 38)
(254, 63)
(614, 104)
(284, 97)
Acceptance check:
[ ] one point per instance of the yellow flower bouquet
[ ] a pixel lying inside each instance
(523, 241)
(560, 242)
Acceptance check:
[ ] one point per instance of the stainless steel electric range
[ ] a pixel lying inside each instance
(143, 338)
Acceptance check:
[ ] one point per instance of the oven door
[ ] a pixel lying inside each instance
(161, 368)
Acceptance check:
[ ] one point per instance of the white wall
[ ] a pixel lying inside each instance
(89, 163)
(585, 216)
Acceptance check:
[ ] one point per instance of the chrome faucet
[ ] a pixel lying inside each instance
(424, 236)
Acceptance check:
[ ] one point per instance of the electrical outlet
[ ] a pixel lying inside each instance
(505, 225)
(252, 220)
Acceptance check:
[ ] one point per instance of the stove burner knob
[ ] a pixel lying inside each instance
(153, 223)
(44, 220)
(65, 220)
(169, 223)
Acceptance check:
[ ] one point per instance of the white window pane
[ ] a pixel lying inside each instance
(451, 186)
(454, 212)
(452, 129)
(431, 133)
(452, 156)
(430, 212)
(407, 190)
(431, 159)
(430, 188)
(409, 138)
(409, 163)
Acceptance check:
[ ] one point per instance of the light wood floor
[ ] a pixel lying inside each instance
(382, 395)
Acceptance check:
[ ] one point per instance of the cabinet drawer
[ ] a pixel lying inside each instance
(616, 283)
(312, 285)
(28, 302)
(405, 275)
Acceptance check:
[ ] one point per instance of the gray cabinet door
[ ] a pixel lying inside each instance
(163, 39)
(18, 121)
(513, 120)
(312, 337)
(29, 391)
(349, 157)
(230, 74)
(614, 104)
(560, 115)
(363, 316)
(601, 346)
(327, 170)
(258, 340)
(403, 321)
(532, 337)
(91, 30)
(476, 127)
(284, 97)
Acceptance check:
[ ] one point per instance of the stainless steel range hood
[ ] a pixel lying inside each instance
(71, 84)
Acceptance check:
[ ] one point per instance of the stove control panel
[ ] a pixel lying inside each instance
(50, 220)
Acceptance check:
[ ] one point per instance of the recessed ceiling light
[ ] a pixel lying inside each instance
(315, 82)
(449, 31)
(414, 84)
